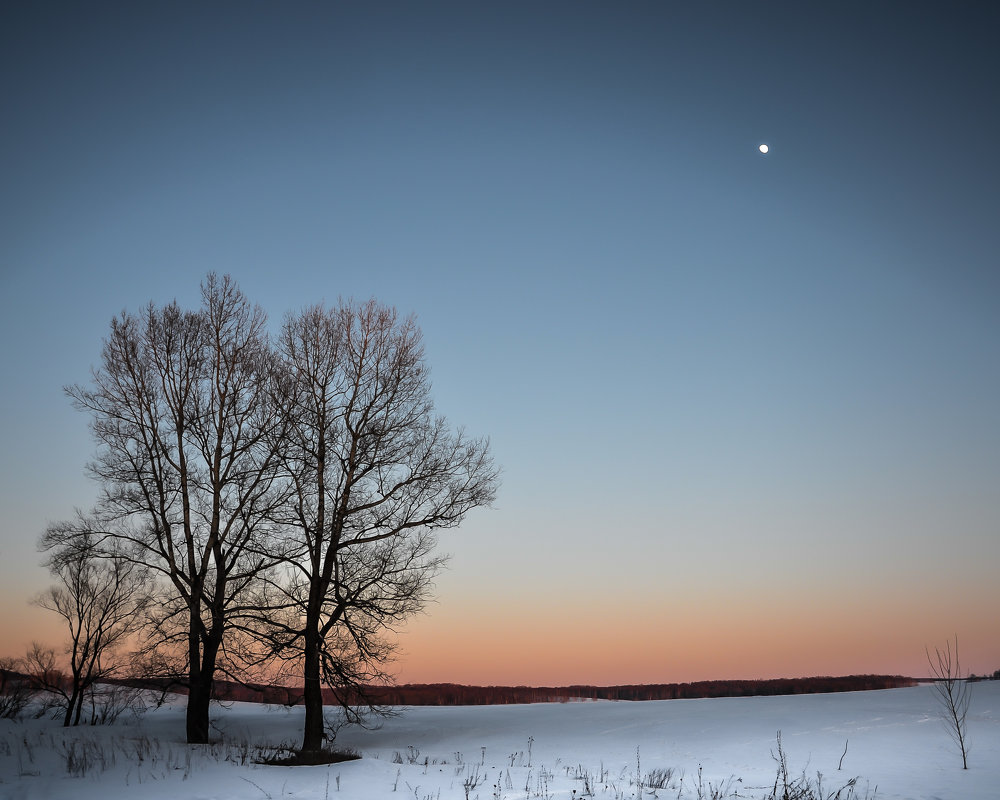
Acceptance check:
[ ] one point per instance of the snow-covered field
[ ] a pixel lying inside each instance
(895, 743)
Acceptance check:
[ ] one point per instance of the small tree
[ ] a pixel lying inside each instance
(102, 601)
(48, 680)
(953, 693)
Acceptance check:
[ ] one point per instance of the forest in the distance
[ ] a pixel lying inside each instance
(453, 694)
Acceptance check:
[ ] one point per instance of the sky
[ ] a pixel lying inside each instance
(745, 405)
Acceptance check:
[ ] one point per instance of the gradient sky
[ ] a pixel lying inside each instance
(747, 407)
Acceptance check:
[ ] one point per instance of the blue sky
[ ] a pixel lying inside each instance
(718, 383)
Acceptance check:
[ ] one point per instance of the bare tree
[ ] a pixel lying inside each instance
(102, 602)
(374, 474)
(181, 409)
(953, 693)
(47, 678)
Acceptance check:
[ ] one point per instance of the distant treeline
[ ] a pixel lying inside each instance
(451, 694)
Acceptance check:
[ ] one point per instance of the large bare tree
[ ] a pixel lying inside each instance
(373, 474)
(188, 443)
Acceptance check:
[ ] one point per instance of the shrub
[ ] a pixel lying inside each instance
(16, 689)
(287, 756)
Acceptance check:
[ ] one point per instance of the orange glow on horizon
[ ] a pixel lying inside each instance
(717, 641)
(713, 638)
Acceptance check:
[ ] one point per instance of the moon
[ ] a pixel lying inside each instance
(763, 149)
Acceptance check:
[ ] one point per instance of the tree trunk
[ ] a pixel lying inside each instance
(79, 705)
(70, 706)
(199, 697)
(312, 693)
(202, 680)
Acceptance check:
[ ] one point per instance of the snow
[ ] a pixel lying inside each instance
(895, 740)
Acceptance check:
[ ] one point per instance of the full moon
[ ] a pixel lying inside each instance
(763, 148)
